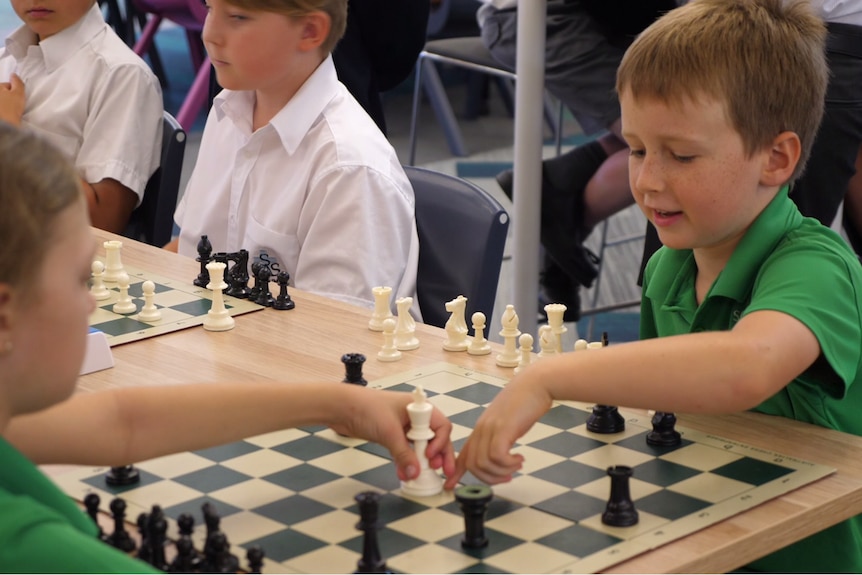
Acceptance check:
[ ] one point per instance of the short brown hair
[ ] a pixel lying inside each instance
(37, 183)
(335, 9)
(764, 58)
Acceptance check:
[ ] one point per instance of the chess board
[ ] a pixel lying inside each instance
(292, 492)
(182, 305)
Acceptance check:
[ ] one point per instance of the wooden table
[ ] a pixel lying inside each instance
(307, 343)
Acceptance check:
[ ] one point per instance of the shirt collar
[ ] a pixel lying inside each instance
(295, 119)
(57, 49)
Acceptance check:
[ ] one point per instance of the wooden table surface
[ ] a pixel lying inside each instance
(307, 343)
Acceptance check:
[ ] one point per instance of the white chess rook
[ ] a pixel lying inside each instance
(428, 482)
(113, 262)
(218, 318)
(382, 294)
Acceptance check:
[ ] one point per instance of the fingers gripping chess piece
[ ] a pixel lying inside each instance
(510, 332)
(381, 307)
(456, 325)
(428, 482)
(124, 304)
(405, 328)
(149, 313)
(98, 289)
(218, 318)
(479, 345)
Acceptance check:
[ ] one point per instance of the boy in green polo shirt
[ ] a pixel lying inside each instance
(749, 305)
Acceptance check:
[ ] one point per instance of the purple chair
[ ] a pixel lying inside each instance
(190, 15)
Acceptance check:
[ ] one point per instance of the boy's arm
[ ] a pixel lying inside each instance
(110, 204)
(124, 426)
(709, 372)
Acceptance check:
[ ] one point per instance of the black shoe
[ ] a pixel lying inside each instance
(556, 286)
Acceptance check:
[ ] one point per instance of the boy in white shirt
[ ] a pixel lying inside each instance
(69, 77)
(291, 165)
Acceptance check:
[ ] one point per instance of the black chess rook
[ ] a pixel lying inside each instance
(353, 368)
(474, 500)
(620, 510)
(606, 419)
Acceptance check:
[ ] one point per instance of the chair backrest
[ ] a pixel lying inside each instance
(153, 221)
(462, 234)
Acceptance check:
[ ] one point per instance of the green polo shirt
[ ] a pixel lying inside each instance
(43, 531)
(792, 264)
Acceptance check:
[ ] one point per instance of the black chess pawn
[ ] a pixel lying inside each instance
(353, 368)
(474, 500)
(283, 301)
(184, 560)
(122, 475)
(264, 296)
(620, 510)
(120, 538)
(255, 556)
(371, 560)
(218, 558)
(605, 419)
(157, 535)
(143, 530)
(91, 504)
(663, 433)
(255, 288)
(186, 526)
(205, 250)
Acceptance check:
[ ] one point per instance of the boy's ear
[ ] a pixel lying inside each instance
(6, 313)
(781, 159)
(315, 30)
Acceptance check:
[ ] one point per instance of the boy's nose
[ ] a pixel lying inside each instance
(650, 174)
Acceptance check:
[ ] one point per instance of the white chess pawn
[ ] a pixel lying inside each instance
(547, 341)
(149, 313)
(218, 318)
(510, 332)
(389, 352)
(113, 263)
(98, 289)
(428, 482)
(381, 307)
(456, 325)
(124, 304)
(405, 328)
(556, 313)
(479, 345)
(526, 348)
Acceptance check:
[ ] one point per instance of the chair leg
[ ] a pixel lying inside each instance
(147, 35)
(195, 98)
(443, 109)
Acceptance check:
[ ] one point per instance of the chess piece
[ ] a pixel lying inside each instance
(478, 345)
(604, 418)
(187, 558)
(428, 482)
(510, 332)
(389, 352)
(620, 510)
(264, 296)
(205, 249)
(149, 313)
(381, 307)
(255, 556)
(371, 560)
(124, 304)
(98, 289)
(91, 504)
(255, 289)
(663, 433)
(456, 325)
(283, 301)
(143, 529)
(219, 559)
(218, 318)
(405, 326)
(555, 313)
(353, 368)
(113, 263)
(238, 276)
(473, 501)
(158, 536)
(525, 341)
(122, 475)
(120, 538)
(547, 341)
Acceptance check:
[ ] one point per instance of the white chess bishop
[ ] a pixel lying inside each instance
(428, 482)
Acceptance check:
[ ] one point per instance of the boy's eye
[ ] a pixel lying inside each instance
(636, 153)
(683, 159)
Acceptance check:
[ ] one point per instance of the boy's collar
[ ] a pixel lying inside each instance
(57, 49)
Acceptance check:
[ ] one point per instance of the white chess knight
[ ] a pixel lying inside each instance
(456, 325)
(405, 328)
(218, 318)
(428, 482)
(381, 294)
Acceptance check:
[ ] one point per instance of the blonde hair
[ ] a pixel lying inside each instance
(335, 9)
(765, 59)
(37, 183)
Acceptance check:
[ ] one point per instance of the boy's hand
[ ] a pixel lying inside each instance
(513, 412)
(381, 417)
(12, 100)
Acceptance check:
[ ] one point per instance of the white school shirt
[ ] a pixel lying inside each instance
(92, 97)
(840, 11)
(319, 189)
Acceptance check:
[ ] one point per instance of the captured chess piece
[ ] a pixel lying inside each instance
(122, 475)
(381, 294)
(473, 501)
(371, 560)
(205, 250)
(663, 433)
(620, 510)
(353, 368)
(428, 482)
(283, 301)
(218, 318)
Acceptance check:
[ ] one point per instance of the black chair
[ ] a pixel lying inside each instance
(462, 233)
(153, 221)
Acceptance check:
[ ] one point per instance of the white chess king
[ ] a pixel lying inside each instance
(428, 482)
